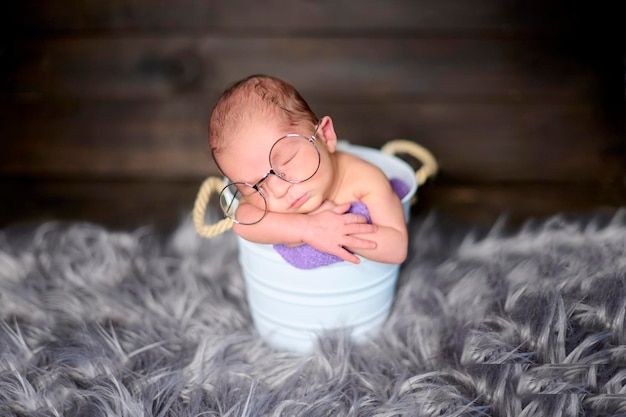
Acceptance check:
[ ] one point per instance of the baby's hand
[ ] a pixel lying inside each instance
(330, 229)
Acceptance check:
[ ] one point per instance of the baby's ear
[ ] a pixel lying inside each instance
(326, 133)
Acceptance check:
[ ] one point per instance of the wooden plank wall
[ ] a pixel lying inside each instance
(105, 104)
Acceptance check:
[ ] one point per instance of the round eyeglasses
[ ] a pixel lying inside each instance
(293, 158)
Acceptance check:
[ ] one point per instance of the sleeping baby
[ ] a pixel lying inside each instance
(291, 187)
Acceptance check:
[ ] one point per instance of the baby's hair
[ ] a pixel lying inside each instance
(253, 96)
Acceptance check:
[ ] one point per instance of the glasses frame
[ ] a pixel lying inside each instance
(271, 171)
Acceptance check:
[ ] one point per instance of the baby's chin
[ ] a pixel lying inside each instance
(311, 206)
(304, 209)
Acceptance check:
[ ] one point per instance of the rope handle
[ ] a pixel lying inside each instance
(209, 186)
(429, 166)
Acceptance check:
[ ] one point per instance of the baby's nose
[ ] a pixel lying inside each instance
(277, 187)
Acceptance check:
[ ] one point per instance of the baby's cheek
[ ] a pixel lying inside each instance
(277, 206)
(316, 204)
(257, 201)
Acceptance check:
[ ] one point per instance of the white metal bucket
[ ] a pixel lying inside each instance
(290, 307)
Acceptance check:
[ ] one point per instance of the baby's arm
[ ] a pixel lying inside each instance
(329, 230)
(386, 211)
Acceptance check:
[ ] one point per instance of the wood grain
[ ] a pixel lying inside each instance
(104, 105)
(167, 139)
(341, 69)
(293, 16)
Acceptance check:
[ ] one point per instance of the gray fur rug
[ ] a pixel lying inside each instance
(103, 323)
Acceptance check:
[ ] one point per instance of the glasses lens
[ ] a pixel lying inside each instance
(294, 158)
(230, 197)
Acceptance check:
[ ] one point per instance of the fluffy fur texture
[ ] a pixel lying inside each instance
(102, 323)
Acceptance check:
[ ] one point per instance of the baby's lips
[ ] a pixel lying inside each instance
(298, 202)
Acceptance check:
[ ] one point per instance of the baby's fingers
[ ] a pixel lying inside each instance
(350, 218)
(347, 256)
(354, 242)
(359, 228)
(341, 208)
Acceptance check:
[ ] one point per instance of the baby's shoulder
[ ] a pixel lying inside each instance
(362, 176)
(354, 165)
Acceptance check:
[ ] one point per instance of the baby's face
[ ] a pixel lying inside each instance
(246, 159)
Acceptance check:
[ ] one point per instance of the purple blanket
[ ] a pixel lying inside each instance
(307, 257)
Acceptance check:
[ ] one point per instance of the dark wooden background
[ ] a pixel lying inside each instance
(105, 104)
